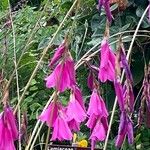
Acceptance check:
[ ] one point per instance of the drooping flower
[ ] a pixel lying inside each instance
(63, 76)
(8, 129)
(106, 5)
(98, 133)
(61, 130)
(78, 112)
(125, 129)
(75, 113)
(107, 62)
(58, 54)
(78, 95)
(97, 105)
(50, 114)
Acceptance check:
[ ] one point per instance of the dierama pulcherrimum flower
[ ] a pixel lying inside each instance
(8, 129)
(97, 105)
(58, 54)
(61, 130)
(75, 113)
(50, 114)
(106, 5)
(63, 76)
(107, 62)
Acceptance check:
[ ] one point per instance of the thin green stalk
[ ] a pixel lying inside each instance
(44, 53)
(128, 55)
(16, 72)
(47, 138)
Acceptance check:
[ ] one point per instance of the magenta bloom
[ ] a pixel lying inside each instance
(75, 113)
(99, 132)
(61, 130)
(119, 93)
(8, 129)
(58, 54)
(63, 76)
(107, 62)
(92, 121)
(106, 5)
(50, 114)
(97, 105)
(78, 95)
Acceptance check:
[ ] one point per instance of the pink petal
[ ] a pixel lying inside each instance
(50, 114)
(92, 121)
(9, 116)
(74, 125)
(75, 111)
(99, 132)
(61, 130)
(78, 96)
(58, 54)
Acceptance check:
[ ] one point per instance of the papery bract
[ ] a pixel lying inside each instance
(61, 130)
(50, 114)
(58, 54)
(107, 62)
(63, 76)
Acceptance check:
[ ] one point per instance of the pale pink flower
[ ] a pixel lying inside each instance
(8, 129)
(107, 62)
(61, 130)
(63, 76)
(58, 54)
(50, 114)
(97, 105)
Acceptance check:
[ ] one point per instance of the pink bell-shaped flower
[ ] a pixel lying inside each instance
(63, 76)
(8, 129)
(97, 105)
(61, 130)
(50, 114)
(107, 62)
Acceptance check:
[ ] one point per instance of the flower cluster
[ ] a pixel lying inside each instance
(62, 119)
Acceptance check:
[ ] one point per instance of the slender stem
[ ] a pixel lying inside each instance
(47, 138)
(128, 55)
(44, 53)
(16, 72)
